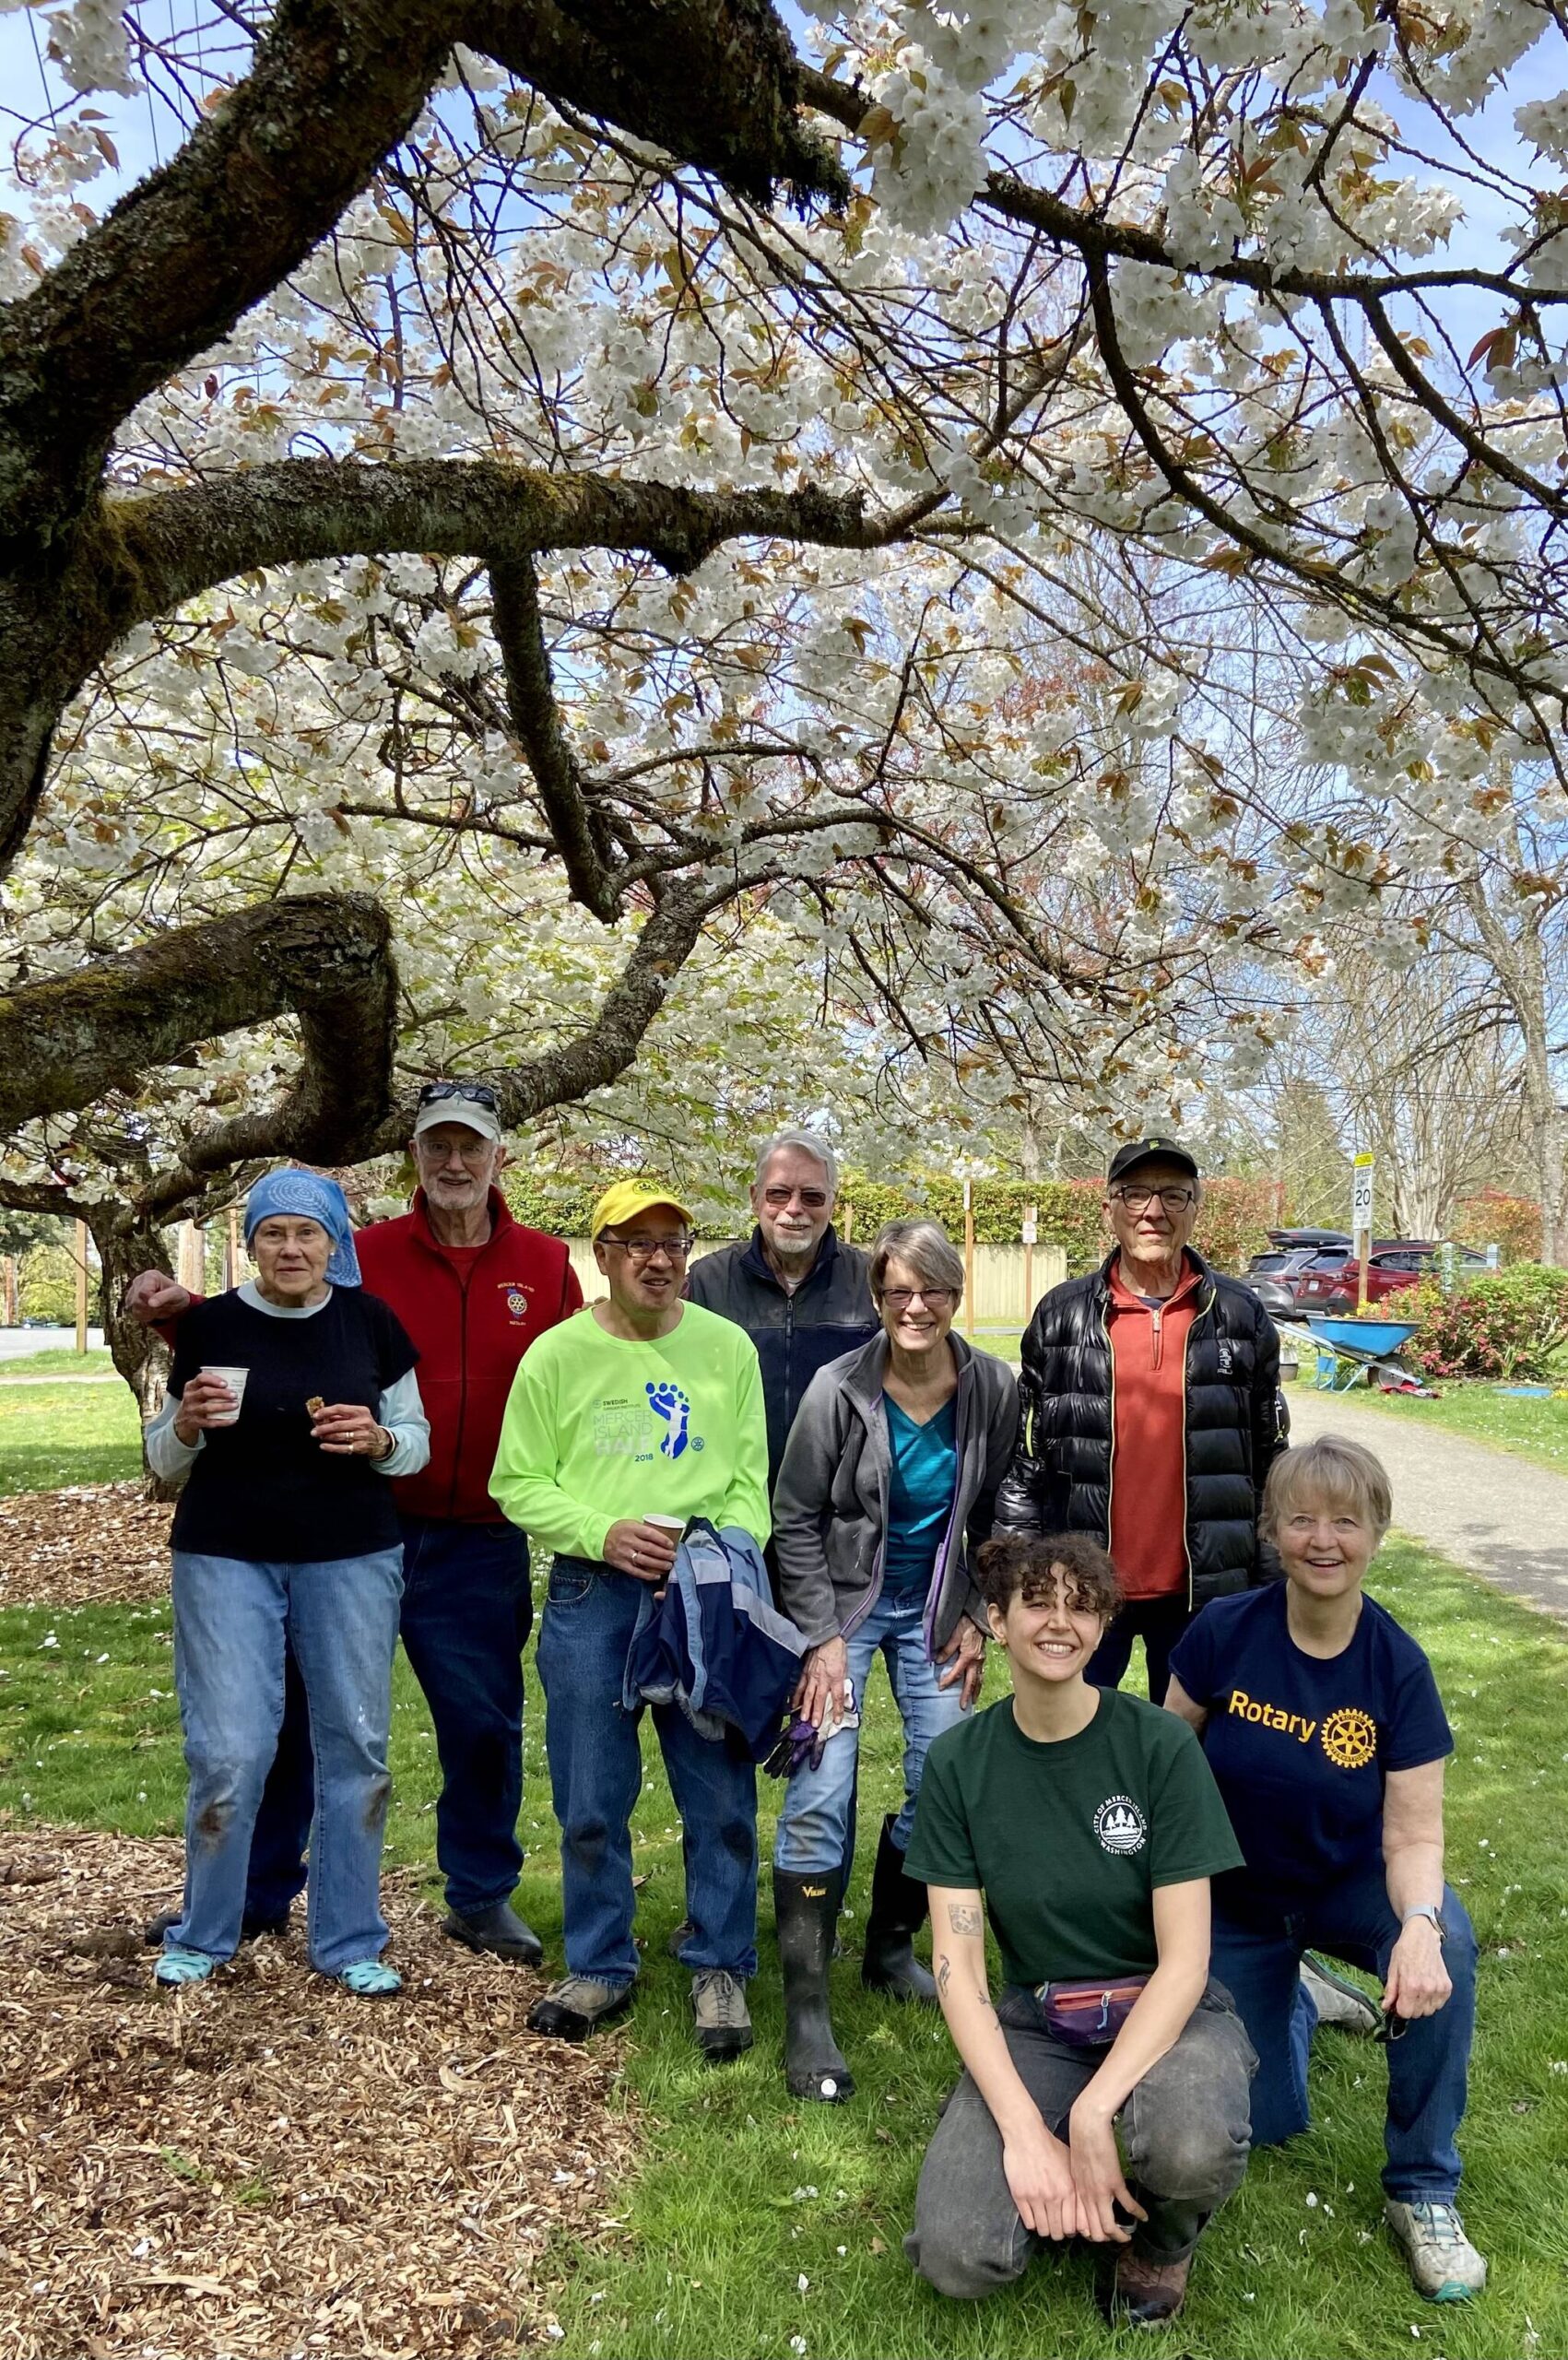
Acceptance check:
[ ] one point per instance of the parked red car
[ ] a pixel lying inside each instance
(1399, 1263)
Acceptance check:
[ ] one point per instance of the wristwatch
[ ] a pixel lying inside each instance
(1428, 1909)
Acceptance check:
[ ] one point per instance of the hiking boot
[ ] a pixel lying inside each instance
(724, 2024)
(806, 1910)
(251, 1929)
(497, 1930)
(1339, 2001)
(1146, 2293)
(570, 2010)
(898, 1909)
(1443, 2264)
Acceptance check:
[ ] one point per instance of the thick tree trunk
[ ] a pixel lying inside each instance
(126, 1245)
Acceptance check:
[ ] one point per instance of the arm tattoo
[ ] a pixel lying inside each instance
(964, 1918)
(944, 1975)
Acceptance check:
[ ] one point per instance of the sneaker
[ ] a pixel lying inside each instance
(175, 1968)
(1339, 2001)
(572, 2009)
(1445, 2265)
(497, 1930)
(372, 1978)
(1146, 2293)
(724, 2023)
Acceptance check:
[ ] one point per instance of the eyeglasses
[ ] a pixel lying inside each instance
(1392, 2028)
(1137, 1200)
(478, 1093)
(643, 1249)
(812, 1199)
(934, 1298)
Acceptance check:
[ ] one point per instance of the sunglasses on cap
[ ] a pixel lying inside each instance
(478, 1092)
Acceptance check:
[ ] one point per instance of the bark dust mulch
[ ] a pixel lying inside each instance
(264, 2165)
(100, 1543)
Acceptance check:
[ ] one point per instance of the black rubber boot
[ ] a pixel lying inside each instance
(898, 1911)
(806, 1910)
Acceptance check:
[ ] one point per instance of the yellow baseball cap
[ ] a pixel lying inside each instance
(624, 1199)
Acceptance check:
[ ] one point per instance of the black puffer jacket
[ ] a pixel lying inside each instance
(1236, 1426)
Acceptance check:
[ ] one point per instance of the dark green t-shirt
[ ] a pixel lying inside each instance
(1069, 1840)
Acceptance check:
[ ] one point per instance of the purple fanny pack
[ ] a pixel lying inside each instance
(1089, 2015)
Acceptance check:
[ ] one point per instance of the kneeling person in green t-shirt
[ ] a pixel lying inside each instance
(1093, 1836)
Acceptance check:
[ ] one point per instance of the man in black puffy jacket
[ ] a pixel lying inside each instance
(1152, 1412)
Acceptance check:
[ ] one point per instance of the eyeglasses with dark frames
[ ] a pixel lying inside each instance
(1175, 1200)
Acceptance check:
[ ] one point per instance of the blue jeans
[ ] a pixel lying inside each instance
(815, 1829)
(234, 1620)
(596, 1759)
(467, 1611)
(1428, 2063)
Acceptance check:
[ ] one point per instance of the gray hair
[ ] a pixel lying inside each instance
(808, 1143)
(928, 1250)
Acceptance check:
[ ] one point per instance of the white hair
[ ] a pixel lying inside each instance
(808, 1143)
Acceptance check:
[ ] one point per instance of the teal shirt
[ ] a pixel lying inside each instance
(920, 1495)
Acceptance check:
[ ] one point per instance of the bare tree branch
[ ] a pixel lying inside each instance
(530, 697)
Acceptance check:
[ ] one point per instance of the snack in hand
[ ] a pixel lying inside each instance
(316, 1405)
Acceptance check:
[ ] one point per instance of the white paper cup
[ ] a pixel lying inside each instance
(676, 1524)
(234, 1378)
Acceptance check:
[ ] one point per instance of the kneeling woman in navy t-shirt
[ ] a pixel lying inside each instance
(292, 1400)
(1322, 1724)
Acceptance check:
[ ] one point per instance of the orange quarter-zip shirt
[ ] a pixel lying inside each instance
(1149, 1488)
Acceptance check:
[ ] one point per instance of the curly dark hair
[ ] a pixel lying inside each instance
(1026, 1562)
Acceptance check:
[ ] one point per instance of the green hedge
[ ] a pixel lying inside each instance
(1513, 1326)
(1233, 1225)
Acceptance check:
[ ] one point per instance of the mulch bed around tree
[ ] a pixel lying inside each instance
(264, 2166)
(102, 1542)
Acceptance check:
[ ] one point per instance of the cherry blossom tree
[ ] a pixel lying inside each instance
(530, 491)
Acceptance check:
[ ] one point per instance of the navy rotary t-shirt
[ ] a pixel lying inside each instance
(1300, 1746)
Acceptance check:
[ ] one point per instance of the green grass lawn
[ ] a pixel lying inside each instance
(60, 1361)
(51, 1435)
(1528, 1425)
(743, 2193)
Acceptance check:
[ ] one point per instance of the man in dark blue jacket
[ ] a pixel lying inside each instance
(800, 1293)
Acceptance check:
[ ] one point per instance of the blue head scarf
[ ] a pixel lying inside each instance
(313, 1197)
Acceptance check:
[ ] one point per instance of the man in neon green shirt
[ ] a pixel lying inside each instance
(642, 1407)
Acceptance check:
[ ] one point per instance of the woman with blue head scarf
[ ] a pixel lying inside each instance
(292, 1400)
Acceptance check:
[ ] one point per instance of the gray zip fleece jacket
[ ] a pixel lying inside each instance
(831, 1501)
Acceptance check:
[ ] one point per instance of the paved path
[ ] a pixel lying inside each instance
(1503, 1517)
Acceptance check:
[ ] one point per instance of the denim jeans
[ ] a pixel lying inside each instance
(1184, 2133)
(596, 1759)
(1159, 1622)
(467, 1611)
(233, 1621)
(1258, 1958)
(815, 1826)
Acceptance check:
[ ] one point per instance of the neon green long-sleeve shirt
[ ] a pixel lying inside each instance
(597, 1428)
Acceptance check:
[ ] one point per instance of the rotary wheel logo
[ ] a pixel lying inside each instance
(1349, 1738)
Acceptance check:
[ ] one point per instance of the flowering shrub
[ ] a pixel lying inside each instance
(1494, 1218)
(1507, 1327)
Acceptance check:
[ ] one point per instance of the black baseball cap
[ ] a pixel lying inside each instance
(1150, 1150)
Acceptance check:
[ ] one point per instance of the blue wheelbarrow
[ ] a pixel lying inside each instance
(1358, 1352)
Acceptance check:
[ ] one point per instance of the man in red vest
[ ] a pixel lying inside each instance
(474, 1287)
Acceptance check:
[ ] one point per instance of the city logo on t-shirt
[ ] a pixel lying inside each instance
(1120, 1825)
(1350, 1737)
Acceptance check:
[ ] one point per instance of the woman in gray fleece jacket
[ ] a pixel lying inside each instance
(888, 1481)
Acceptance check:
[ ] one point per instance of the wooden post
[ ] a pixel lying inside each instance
(10, 1290)
(969, 1257)
(189, 1260)
(846, 1223)
(232, 1250)
(81, 1286)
